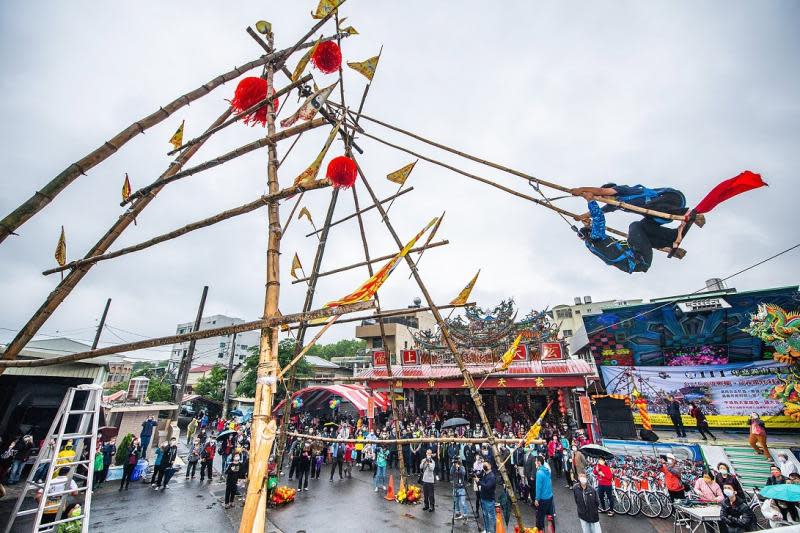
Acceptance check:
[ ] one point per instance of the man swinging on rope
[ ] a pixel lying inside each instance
(644, 235)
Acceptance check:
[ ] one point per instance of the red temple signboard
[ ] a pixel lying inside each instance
(551, 351)
(522, 353)
(410, 357)
(379, 358)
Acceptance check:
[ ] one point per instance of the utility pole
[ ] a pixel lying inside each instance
(100, 326)
(229, 379)
(186, 362)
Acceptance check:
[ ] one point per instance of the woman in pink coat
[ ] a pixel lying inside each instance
(707, 489)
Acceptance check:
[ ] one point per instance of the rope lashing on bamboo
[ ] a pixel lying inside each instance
(497, 186)
(550, 184)
(641, 405)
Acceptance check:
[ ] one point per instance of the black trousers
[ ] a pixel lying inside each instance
(645, 234)
(191, 467)
(702, 427)
(230, 491)
(156, 470)
(333, 468)
(428, 495)
(678, 423)
(446, 470)
(127, 471)
(293, 467)
(302, 476)
(206, 467)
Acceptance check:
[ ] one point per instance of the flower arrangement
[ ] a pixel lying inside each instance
(409, 495)
(297, 403)
(283, 494)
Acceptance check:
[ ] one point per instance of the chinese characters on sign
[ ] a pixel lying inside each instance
(379, 358)
(551, 350)
(410, 357)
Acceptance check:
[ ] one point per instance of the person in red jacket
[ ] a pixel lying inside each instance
(604, 479)
(672, 477)
(207, 460)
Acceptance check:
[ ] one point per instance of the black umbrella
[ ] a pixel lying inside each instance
(454, 423)
(595, 450)
(224, 434)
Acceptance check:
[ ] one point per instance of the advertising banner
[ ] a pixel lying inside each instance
(726, 393)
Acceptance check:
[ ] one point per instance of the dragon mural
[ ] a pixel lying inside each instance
(781, 330)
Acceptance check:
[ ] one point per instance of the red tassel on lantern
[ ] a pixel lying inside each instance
(342, 172)
(327, 57)
(249, 92)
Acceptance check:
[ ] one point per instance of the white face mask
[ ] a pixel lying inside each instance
(723, 471)
(582, 480)
(728, 492)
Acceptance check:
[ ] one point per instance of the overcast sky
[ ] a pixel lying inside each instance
(679, 94)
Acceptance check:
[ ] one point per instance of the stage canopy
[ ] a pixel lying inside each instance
(356, 395)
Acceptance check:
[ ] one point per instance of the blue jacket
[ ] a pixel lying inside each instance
(159, 455)
(544, 484)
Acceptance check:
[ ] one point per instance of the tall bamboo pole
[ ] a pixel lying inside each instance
(301, 331)
(42, 197)
(263, 430)
(476, 397)
(392, 397)
(62, 290)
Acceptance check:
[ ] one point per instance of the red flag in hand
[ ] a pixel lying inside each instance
(746, 181)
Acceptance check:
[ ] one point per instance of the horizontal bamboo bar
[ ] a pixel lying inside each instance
(219, 217)
(194, 335)
(373, 260)
(362, 211)
(497, 185)
(539, 181)
(390, 313)
(252, 109)
(418, 440)
(233, 154)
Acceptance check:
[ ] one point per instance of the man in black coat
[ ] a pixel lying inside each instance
(586, 502)
(530, 473)
(674, 412)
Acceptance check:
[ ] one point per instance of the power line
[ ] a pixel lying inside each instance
(667, 304)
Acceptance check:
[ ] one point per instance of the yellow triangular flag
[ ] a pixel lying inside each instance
(309, 109)
(509, 355)
(126, 188)
(325, 7)
(177, 140)
(367, 67)
(304, 212)
(536, 428)
(400, 176)
(310, 174)
(368, 289)
(61, 249)
(303, 63)
(463, 296)
(295, 266)
(350, 30)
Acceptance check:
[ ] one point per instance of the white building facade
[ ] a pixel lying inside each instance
(214, 350)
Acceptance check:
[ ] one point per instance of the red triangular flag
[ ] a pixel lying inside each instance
(746, 181)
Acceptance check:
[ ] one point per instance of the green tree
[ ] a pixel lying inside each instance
(159, 390)
(212, 385)
(286, 349)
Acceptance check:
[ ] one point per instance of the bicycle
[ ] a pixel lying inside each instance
(649, 502)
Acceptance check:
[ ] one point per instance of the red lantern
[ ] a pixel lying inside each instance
(249, 92)
(327, 57)
(562, 401)
(342, 172)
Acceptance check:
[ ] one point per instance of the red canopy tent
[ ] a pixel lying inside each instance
(317, 397)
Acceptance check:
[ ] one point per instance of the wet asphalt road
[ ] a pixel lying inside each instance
(344, 506)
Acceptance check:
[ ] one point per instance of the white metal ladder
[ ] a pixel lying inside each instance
(79, 409)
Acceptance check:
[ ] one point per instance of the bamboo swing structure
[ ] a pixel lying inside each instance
(272, 322)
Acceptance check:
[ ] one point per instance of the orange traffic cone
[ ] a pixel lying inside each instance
(402, 486)
(390, 489)
(499, 525)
